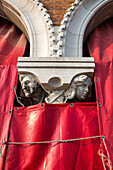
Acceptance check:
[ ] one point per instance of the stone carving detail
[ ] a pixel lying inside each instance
(78, 91)
(32, 89)
(35, 93)
(64, 25)
(49, 25)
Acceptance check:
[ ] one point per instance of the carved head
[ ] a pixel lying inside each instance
(28, 83)
(82, 86)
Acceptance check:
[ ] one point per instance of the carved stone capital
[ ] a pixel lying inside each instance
(56, 73)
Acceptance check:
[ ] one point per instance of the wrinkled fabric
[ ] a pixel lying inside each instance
(12, 43)
(38, 123)
(101, 48)
(49, 123)
(8, 80)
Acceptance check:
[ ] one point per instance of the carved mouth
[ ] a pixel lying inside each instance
(84, 94)
(26, 92)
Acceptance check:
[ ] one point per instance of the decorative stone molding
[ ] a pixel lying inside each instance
(32, 18)
(45, 50)
(49, 24)
(64, 25)
(79, 21)
(60, 70)
(78, 90)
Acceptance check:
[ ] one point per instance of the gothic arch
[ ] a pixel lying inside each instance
(32, 19)
(85, 16)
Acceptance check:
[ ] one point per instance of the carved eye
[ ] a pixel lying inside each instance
(84, 85)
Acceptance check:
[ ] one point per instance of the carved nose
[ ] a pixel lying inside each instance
(86, 89)
(23, 86)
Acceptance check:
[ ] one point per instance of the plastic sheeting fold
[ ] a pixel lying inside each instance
(8, 78)
(12, 45)
(101, 48)
(50, 123)
(42, 123)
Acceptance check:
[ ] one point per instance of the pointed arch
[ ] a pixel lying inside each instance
(86, 16)
(32, 19)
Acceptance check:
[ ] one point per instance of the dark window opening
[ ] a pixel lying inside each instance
(27, 50)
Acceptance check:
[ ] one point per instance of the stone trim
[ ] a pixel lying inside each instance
(64, 68)
(32, 18)
(75, 23)
(64, 25)
(49, 24)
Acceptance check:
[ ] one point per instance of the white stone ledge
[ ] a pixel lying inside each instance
(65, 68)
(55, 65)
(56, 59)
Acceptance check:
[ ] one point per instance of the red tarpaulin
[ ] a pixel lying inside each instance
(43, 123)
(101, 48)
(51, 123)
(12, 45)
(8, 77)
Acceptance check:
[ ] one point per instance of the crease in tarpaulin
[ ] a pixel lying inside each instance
(12, 45)
(7, 99)
(104, 158)
(56, 159)
(43, 106)
(20, 120)
(100, 46)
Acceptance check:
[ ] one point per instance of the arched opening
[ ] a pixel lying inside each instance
(10, 13)
(104, 14)
(29, 18)
(5, 26)
(100, 45)
(86, 17)
(101, 16)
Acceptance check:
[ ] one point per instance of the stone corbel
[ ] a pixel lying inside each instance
(56, 73)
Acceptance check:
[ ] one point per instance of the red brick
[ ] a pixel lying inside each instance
(59, 12)
(57, 9)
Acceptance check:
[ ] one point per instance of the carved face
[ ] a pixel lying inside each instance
(28, 85)
(83, 89)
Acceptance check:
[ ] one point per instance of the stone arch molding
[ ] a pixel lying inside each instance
(48, 50)
(79, 21)
(32, 18)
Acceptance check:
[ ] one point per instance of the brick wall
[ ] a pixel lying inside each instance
(57, 9)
